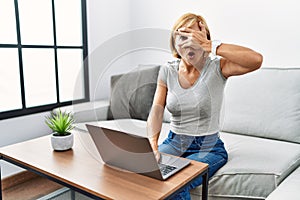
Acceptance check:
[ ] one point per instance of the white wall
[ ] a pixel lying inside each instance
(270, 26)
(106, 21)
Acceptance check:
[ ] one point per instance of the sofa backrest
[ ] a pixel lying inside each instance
(264, 103)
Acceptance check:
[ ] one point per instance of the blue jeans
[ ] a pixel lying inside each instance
(208, 149)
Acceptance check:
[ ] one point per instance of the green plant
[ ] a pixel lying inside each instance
(60, 122)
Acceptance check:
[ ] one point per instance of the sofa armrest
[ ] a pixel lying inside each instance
(88, 111)
(288, 189)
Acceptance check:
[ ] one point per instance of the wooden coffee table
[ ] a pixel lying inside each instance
(82, 170)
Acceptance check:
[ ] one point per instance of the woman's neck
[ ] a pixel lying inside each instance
(187, 67)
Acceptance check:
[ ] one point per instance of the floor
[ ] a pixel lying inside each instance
(32, 189)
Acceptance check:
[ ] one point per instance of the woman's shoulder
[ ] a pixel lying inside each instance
(214, 59)
(168, 69)
(213, 62)
(172, 65)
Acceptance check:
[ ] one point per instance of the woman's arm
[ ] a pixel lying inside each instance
(238, 60)
(155, 118)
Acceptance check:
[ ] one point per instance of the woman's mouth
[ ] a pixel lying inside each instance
(191, 55)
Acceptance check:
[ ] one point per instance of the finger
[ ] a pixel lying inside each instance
(190, 45)
(186, 42)
(187, 45)
(182, 33)
(202, 27)
(186, 29)
(180, 43)
(158, 157)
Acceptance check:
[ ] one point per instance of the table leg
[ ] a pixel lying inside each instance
(205, 186)
(72, 194)
(0, 184)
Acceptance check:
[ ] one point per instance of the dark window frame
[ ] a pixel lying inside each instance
(48, 107)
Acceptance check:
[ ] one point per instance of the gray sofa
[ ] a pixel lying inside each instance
(260, 126)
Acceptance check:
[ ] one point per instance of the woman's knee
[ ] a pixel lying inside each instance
(214, 161)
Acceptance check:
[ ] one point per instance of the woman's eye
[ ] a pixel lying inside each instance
(183, 38)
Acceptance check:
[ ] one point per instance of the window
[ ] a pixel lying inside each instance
(43, 46)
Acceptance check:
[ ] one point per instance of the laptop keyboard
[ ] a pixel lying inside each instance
(165, 169)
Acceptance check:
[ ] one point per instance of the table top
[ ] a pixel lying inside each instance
(82, 167)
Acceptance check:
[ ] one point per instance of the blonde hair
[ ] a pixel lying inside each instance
(187, 19)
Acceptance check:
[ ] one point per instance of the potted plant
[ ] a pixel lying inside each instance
(61, 123)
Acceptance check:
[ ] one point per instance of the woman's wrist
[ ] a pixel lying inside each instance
(214, 46)
(154, 145)
(207, 46)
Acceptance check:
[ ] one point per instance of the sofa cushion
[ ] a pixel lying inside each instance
(256, 166)
(132, 93)
(264, 103)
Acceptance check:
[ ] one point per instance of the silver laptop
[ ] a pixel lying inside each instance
(133, 153)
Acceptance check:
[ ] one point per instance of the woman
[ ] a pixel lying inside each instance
(192, 89)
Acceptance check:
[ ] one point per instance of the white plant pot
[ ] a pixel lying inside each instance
(62, 143)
